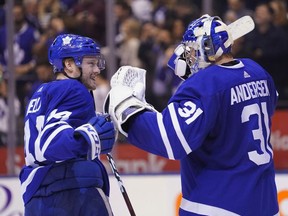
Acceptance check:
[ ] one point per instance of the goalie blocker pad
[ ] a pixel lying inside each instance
(121, 104)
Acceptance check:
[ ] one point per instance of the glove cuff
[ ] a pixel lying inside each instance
(92, 138)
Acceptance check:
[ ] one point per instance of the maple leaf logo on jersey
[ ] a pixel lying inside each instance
(66, 40)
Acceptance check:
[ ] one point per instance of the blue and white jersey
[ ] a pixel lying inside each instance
(54, 111)
(24, 41)
(218, 125)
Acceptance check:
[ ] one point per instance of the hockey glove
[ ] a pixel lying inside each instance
(92, 138)
(105, 130)
(132, 77)
(127, 96)
(121, 104)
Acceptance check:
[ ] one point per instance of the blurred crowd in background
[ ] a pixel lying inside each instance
(147, 32)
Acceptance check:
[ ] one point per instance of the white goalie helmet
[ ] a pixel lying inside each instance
(205, 39)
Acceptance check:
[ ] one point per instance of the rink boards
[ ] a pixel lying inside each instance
(149, 195)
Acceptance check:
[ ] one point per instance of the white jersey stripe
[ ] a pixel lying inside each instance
(164, 136)
(178, 130)
(264, 108)
(106, 201)
(53, 135)
(203, 209)
(40, 152)
(29, 179)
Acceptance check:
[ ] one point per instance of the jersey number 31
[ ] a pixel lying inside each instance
(255, 109)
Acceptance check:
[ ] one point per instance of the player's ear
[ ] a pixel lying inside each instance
(68, 62)
(69, 65)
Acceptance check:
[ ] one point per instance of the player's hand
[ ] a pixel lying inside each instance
(105, 130)
(89, 133)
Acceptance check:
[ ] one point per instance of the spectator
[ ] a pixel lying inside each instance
(100, 92)
(239, 7)
(280, 20)
(148, 34)
(266, 45)
(25, 39)
(163, 42)
(66, 5)
(165, 82)
(44, 71)
(230, 16)
(279, 8)
(164, 12)
(31, 10)
(148, 55)
(142, 10)
(56, 27)
(48, 9)
(122, 11)
(4, 112)
(128, 49)
(87, 17)
(177, 30)
(186, 10)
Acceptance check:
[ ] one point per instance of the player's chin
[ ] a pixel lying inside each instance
(91, 85)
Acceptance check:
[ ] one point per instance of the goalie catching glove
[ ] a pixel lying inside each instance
(127, 96)
(99, 134)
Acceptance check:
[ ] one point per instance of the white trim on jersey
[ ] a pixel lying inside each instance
(29, 179)
(203, 209)
(40, 153)
(106, 201)
(53, 135)
(266, 120)
(178, 130)
(164, 136)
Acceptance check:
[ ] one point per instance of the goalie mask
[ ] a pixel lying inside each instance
(73, 46)
(205, 40)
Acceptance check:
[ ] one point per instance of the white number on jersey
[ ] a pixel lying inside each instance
(190, 112)
(29, 158)
(255, 109)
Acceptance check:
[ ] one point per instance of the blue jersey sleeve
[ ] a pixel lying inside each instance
(179, 129)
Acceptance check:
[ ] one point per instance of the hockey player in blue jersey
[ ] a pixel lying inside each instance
(217, 124)
(64, 136)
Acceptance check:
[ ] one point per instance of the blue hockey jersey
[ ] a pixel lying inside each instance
(24, 41)
(218, 125)
(54, 111)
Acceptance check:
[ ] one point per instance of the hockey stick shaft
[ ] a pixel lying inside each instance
(120, 182)
(241, 27)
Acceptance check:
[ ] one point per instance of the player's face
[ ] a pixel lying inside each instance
(190, 55)
(90, 71)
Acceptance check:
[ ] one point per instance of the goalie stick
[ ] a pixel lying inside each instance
(120, 183)
(241, 27)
